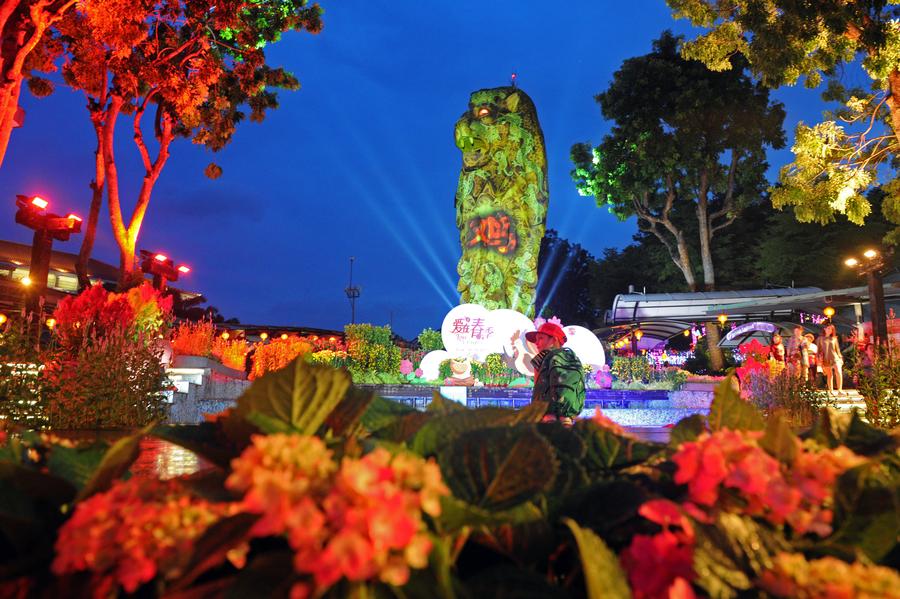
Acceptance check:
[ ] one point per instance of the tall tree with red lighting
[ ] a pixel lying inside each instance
(178, 69)
(27, 47)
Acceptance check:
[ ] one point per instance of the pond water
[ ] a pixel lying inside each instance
(162, 459)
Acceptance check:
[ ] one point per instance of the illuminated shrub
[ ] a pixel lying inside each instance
(372, 349)
(430, 340)
(231, 352)
(277, 354)
(194, 338)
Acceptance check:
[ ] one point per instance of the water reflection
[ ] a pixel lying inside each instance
(164, 460)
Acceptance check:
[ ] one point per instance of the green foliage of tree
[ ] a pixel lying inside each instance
(695, 153)
(430, 340)
(837, 159)
(372, 348)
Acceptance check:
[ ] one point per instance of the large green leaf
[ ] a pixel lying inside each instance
(730, 553)
(606, 451)
(441, 405)
(300, 395)
(116, 461)
(456, 514)
(403, 428)
(779, 440)
(210, 550)
(687, 429)
(728, 410)
(347, 414)
(498, 468)
(206, 439)
(76, 464)
(603, 576)
(867, 507)
(381, 412)
(570, 451)
(441, 430)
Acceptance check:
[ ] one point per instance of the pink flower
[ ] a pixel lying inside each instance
(406, 367)
(419, 372)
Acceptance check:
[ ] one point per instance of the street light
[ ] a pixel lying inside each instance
(32, 213)
(162, 268)
(872, 266)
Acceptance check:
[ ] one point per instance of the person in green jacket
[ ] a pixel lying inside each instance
(558, 374)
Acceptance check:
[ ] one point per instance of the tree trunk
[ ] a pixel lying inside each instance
(893, 101)
(97, 185)
(716, 358)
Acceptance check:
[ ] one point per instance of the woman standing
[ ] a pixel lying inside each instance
(831, 359)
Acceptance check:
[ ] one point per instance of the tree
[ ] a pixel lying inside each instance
(25, 48)
(687, 149)
(568, 280)
(837, 159)
(192, 65)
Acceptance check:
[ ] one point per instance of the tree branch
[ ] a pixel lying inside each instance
(139, 133)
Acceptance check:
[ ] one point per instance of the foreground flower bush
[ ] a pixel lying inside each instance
(319, 489)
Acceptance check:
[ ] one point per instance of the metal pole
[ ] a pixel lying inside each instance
(876, 305)
(39, 270)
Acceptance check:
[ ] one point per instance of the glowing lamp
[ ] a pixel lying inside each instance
(74, 217)
(332, 339)
(828, 311)
(51, 322)
(263, 336)
(284, 336)
(687, 333)
(638, 334)
(160, 257)
(870, 254)
(39, 202)
(184, 269)
(722, 318)
(315, 337)
(26, 281)
(225, 335)
(851, 262)
(3, 319)
(483, 112)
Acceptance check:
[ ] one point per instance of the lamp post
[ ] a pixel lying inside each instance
(162, 268)
(352, 293)
(33, 214)
(872, 265)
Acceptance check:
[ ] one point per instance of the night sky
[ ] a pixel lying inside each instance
(361, 160)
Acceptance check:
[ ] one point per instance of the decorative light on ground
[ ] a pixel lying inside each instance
(225, 335)
(638, 334)
(828, 311)
(870, 254)
(851, 262)
(284, 336)
(50, 322)
(263, 336)
(722, 318)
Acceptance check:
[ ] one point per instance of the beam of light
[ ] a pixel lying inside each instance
(560, 275)
(378, 210)
(424, 243)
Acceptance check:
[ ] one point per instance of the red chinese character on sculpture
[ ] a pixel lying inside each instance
(460, 325)
(494, 231)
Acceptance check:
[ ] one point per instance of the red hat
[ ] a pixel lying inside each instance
(548, 328)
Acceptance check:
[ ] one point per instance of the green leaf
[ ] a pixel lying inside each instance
(867, 507)
(779, 440)
(498, 468)
(211, 549)
(728, 410)
(608, 451)
(381, 412)
(440, 431)
(300, 395)
(441, 405)
(114, 464)
(456, 514)
(269, 425)
(687, 429)
(404, 427)
(41, 486)
(532, 413)
(348, 413)
(76, 464)
(603, 576)
(206, 439)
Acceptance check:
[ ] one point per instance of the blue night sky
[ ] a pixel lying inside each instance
(361, 160)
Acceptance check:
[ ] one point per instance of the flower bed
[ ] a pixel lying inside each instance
(324, 490)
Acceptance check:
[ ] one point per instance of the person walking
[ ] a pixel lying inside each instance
(798, 354)
(558, 374)
(812, 357)
(831, 359)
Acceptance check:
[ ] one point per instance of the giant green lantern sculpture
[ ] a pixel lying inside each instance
(501, 200)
